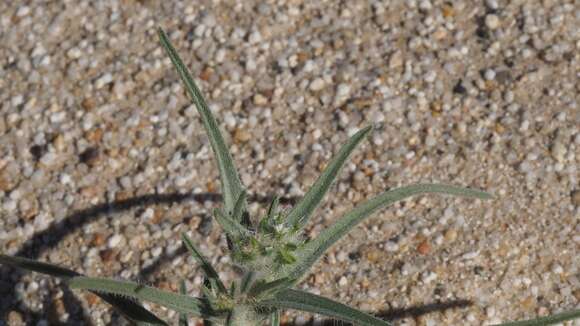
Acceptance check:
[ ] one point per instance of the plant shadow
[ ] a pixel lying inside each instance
(50, 237)
(400, 313)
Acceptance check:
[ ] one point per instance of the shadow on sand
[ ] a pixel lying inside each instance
(49, 239)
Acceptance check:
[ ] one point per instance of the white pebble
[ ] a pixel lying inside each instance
(559, 151)
(317, 84)
(103, 80)
(343, 281)
(490, 312)
(342, 93)
(489, 74)
(255, 37)
(23, 11)
(492, 21)
(430, 76)
(492, 4)
(115, 241)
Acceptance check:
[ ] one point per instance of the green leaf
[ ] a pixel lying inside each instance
(273, 207)
(178, 302)
(300, 214)
(230, 181)
(36, 266)
(548, 320)
(182, 316)
(239, 207)
(275, 318)
(130, 309)
(300, 300)
(247, 281)
(208, 270)
(311, 251)
(231, 227)
(263, 289)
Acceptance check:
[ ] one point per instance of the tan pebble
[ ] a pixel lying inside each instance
(206, 74)
(90, 192)
(241, 135)
(499, 128)
(91, 298)
(123, 195)
(424, 248)
(59, 307)
(88, 103)
(211, 186)
(319, 278)
(576, 197)
(448, 11)
(440, 33)
(7, 182)
(543, 311)
(260, 99)
(157, 216)
(302, 56)
(31, 210)
(15, 318)
(108, 255)
(94, 135)
(396, 60)
(374, 255)
(98, 240)
(528, 303)
(59, 143)
(450, 235)
(576, 294)
(365, 283)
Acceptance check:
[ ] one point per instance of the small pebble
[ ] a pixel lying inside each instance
(115, 241)
(492, 21)
(575, 196)
(317, 84)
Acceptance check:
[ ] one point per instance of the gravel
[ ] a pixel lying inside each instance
(103, 160)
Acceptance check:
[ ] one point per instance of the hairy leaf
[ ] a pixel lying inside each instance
(548, 320)
(231, 227)
(208, 270)
(230, 181)
(130, 309)
(300, 300)
(314, 249)
(178, 302)
(182, 316)
(262, 289)
(300, 214)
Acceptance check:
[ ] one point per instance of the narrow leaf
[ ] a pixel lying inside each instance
(300, 300)
(208, 270)
(36, 266)
(231, 227)
(239, 207)
(314, 249)
(548, 320)
(130, 309)
(247, 281)
(273, 207)
(178, 302)
(300, 214)
(230, 181)
(263, 289)
(275, 318)
(182, 316)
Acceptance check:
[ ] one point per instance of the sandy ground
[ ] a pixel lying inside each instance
(103, 161)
